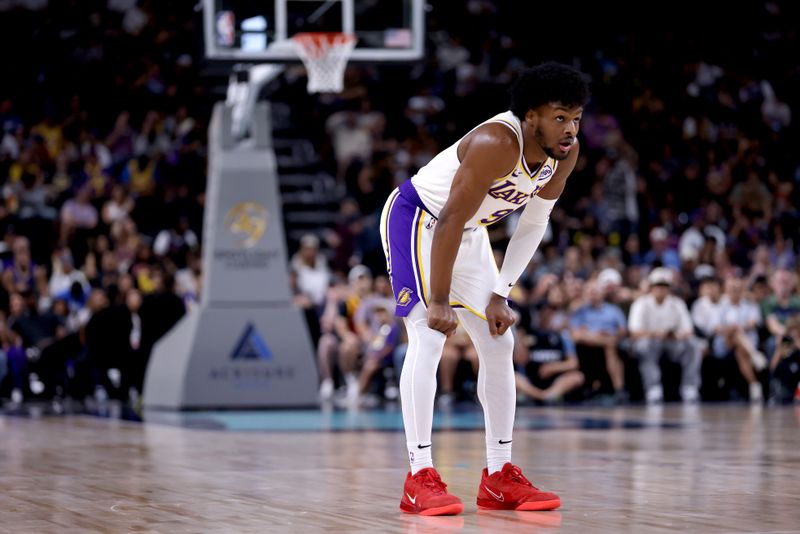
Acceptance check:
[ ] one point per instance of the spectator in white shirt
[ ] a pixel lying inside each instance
(736, 334)
(65, 274)
(660, 325)
(177, 240)
(311, 268)
(705, 310)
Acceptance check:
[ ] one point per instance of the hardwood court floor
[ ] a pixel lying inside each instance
(696, 469)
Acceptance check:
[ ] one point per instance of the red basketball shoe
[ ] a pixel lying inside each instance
(426, 494)
(508, 489)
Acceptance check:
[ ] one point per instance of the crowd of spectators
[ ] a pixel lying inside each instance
(102, 175)
(669, 269)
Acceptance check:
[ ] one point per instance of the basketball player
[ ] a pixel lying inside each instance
(442, 270)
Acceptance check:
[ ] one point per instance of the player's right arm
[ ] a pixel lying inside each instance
(488, 153)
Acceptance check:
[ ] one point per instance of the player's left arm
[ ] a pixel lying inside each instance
(531, 228)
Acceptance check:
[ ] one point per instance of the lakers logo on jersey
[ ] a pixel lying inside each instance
(508, 191)
(404, 297)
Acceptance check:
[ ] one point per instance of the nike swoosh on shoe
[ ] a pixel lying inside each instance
(500, 497)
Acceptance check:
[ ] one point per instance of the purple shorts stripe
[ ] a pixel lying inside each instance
(410, 193)
(401, 233)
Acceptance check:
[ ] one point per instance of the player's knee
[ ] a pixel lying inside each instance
(429, 339)
(505, 344)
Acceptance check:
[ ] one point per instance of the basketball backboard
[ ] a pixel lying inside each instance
(259, 30)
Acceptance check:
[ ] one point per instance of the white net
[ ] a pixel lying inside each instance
(325, 57)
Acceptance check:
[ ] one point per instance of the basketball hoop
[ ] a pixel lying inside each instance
(325, 56)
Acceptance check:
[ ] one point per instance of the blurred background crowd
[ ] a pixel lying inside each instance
(669, 270)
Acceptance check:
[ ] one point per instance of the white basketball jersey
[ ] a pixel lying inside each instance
(506, 195)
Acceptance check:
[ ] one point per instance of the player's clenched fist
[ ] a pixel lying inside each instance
(441, 317)
(499, 316)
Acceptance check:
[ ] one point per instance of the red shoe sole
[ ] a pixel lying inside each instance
(532, 506)
(450, 509)
(539, 505)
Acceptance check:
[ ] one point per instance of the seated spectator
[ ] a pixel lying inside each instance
(351, 138)
(597, 328)
(176, 242)
(382, 333)
(781, 251)
(78, 213)
(18, 274)
(126, 238)
(107, 345)
(785, 365)
(706, 309)
(133, 362)
(188, 281)
(545, 360)
(781, 306)
(79, 219)
(661, 251)
(311, 268)
(36, 330)
(28, 334)
(140, 175)
(752, 199)
(15, 358)
(64, 275)
(457, 347)
(735, 334)
(118, 207)
(693, 239)
(35, 199)
(610, 281)
(760, 291)
(339, 335)
(661, 326)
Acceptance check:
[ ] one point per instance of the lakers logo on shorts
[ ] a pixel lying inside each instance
(404, 297)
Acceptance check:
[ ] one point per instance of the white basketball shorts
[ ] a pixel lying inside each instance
(407, 234)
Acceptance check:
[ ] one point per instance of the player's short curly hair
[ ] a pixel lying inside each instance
(545, 83)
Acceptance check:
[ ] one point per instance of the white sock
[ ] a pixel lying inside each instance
(498, 453)
(496, 387)
(418, 385)
(420, 457)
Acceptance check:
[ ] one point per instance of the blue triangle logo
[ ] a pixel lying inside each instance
(251, 346)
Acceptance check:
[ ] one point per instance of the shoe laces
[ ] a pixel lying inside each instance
(431, 480)
(515, 474)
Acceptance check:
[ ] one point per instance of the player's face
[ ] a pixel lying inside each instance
(555, 128)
